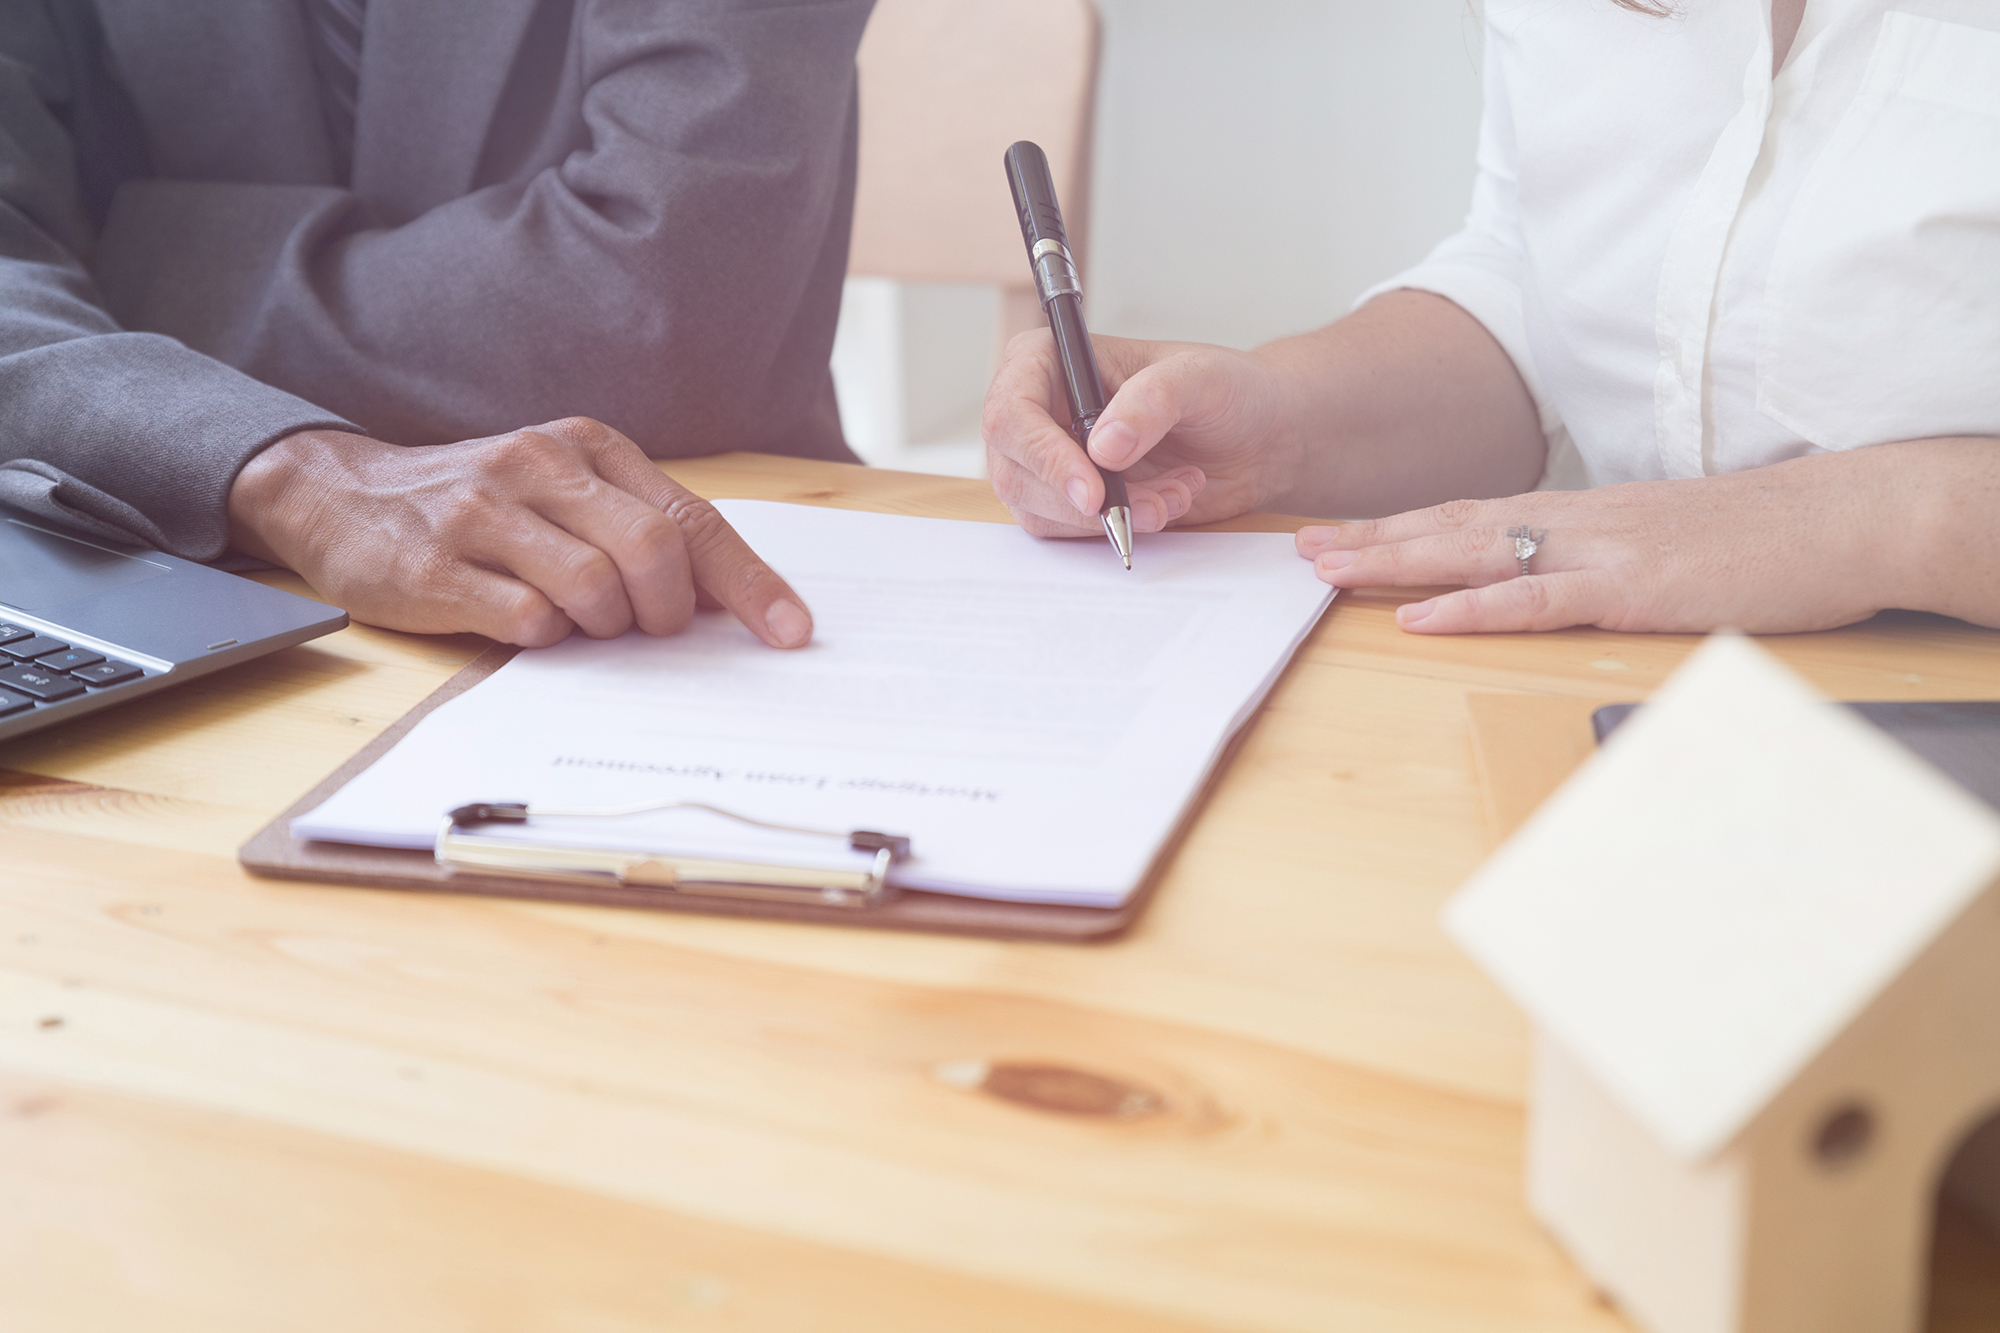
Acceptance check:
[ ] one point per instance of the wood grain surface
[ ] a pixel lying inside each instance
(1283, 1102)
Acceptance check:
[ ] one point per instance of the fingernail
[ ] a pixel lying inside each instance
(1176, 504)
(789, 624)
(1415, 611)
(1328, 561)
(1113, 442)
(1315, 536)
(1079, 493)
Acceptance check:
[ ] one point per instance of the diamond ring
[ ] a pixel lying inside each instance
(1526, 543)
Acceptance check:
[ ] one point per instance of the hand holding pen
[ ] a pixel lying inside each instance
(1063, 447)
(1061, 295)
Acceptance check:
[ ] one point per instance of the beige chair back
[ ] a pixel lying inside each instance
(946, 85)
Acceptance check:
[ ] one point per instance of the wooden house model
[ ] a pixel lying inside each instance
(1759, 943)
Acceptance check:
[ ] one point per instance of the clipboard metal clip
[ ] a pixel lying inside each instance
(461, 849)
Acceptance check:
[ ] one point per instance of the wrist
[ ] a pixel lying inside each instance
(275, 494)
(1284, 381)
(1924, 524)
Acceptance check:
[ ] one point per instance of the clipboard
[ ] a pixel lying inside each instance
(274, 853)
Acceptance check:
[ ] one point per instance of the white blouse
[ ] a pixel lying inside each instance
(1699, 268)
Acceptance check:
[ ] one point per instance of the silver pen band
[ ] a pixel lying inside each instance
(1055, 271)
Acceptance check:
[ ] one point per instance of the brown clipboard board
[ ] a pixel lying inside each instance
(275, 854)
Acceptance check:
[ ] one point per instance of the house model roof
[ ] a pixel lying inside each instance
(1721, 890)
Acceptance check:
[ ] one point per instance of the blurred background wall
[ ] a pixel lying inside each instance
(1257, 164)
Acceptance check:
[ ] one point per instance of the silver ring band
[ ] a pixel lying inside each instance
(1526, 543)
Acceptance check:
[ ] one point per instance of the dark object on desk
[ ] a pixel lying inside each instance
(1061, 294)
(84, 625)
(275, 854)
(1960, 740)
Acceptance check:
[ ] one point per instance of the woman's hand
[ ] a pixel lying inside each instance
(523, 537)
(1408, 399)
(1807, 544)
(1195, 429)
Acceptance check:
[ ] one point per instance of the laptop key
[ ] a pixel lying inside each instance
(39, 682)
(69, 659)
(35, 647)
(12, 703)
(106, 673)
(9, 633)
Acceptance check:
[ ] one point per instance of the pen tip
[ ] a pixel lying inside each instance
(1118, 527)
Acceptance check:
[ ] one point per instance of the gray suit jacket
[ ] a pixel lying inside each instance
(635, 210)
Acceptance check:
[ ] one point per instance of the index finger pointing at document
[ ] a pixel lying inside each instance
(725, 570)
(525, 537)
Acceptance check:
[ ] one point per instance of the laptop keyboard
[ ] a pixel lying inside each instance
(39, 670)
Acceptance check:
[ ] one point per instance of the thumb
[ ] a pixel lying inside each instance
(1152, 403)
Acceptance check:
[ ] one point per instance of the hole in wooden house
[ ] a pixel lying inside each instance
(1844, 1134)
(1965, 1237)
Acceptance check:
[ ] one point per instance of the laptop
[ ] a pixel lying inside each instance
(85, 624)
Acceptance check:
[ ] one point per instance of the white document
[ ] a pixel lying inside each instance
(1033, 717)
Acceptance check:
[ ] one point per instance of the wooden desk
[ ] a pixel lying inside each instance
(1284, 1102)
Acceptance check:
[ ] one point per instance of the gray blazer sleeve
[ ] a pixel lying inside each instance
(117, 433)
(674, 270)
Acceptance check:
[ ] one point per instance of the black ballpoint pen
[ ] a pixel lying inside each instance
(1062, 300)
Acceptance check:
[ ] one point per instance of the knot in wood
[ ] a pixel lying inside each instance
(1066, 1091)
